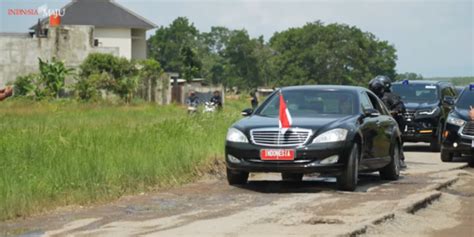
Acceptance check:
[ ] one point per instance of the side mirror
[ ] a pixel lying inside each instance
(449, 100)
(247, 112)
(371, 113)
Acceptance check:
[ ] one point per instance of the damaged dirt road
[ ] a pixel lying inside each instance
(430, 199)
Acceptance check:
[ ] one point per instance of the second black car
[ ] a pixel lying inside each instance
(427, 106)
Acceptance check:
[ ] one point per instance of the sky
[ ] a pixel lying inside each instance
(434, 38)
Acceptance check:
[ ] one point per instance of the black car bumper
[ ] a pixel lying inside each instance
(246, 157)
(453, 142)
(420, 129)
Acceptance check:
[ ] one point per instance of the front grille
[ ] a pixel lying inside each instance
(409, 116)
(273, 137)
(468, 129)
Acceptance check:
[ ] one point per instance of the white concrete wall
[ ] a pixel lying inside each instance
(115, 37)
(71, 44)
(138, 44)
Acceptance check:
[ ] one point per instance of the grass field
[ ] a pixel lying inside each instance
(61, 153)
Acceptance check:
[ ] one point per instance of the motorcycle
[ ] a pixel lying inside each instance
(192, 108)
(210, 107)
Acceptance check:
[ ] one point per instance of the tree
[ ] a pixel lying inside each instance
(330, 54)
(408, 76)
(243, 68)
(150, 73)
(167, 44)
(191, 65)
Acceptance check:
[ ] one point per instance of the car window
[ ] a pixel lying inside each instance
(378, 105)
(365, 101)
(466, 99)
(416, 92)
(312, 102)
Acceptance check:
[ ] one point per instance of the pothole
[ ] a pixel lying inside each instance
(319, 221)
(458, 193)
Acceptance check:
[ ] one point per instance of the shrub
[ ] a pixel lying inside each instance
(53, 76)
(25, 85)
(118, 75)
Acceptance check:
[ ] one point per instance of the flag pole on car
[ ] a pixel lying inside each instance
(284, 119)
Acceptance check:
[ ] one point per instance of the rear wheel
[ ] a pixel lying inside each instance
(392, 170)
(446, 156)
(435, 144)
(292, 177)
(237, 177)
(347, 181)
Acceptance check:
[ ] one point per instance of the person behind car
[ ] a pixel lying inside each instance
(253, 100)
(381, 86)
(5, 93)
(217, 99)
(193, 99)
(471, 112)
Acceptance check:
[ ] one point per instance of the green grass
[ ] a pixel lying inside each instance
(62, 153)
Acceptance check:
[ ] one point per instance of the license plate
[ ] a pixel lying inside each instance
(277, 154)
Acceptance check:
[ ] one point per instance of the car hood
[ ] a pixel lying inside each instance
(461, 113)
(412, 106)
(315, 123)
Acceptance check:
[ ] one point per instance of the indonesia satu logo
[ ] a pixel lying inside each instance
(42, 10)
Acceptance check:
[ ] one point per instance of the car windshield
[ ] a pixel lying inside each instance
(416, 92)
(466, 99)
(311, 103)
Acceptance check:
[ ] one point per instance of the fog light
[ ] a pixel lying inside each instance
(233, 159)
(330, 160)
(455, 144)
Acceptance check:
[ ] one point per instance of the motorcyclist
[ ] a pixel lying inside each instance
(217, 99)
(192, 100)
(381, 86)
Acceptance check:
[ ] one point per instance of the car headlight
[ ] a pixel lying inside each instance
(335, 135)
(234, 135)
(428, 111)
(455, 121)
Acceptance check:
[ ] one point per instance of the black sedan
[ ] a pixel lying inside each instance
(458, 135)
(336, 130)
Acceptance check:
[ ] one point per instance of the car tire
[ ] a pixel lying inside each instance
(446, 156)
(471, 161)
(392, 170)
(435, 145)
(347, 181)
(292, 177)
(236, 177)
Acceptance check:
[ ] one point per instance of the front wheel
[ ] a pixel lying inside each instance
(392, 170)
(446, 156)
(347, 181)
(435, 144)
(471, 161)
(292, 177)
(236, 177)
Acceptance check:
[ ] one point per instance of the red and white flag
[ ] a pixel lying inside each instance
(284, 119)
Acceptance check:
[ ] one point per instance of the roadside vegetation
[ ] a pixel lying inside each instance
(65, 152)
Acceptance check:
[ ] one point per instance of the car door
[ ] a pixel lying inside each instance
(385, 127)
(368, 128)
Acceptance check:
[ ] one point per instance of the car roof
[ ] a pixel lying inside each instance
(422, 82)
(325, 87)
